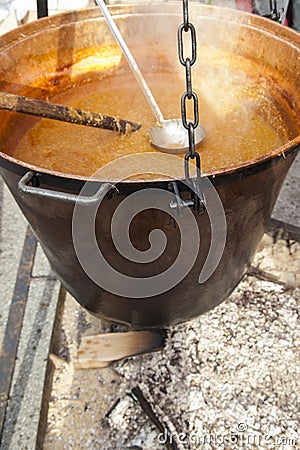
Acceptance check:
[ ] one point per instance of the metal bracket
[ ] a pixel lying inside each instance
(197, 202)
(275, 10)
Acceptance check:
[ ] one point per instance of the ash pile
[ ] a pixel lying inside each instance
(226, 380)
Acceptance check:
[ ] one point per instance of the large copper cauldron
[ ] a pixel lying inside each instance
(47, 56)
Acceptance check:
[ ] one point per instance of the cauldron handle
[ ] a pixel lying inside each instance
(25, 189)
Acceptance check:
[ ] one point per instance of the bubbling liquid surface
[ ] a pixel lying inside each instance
(234, 116)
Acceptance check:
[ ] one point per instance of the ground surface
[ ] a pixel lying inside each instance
(231, 375)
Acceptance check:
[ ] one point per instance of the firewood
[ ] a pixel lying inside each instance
(101, 350)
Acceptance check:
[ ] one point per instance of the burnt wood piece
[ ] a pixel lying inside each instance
(146, 406)
(283, 230)
(43, 109)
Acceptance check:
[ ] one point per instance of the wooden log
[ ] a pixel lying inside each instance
(283, 230)
(101, 350)
(43, 109)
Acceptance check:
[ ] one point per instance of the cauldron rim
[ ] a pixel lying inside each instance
(219, 176)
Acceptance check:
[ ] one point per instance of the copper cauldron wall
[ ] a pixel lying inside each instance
(248, 191)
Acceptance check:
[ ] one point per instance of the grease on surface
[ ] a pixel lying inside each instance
(236, 117)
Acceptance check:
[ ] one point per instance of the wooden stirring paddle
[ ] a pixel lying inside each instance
(43, 109)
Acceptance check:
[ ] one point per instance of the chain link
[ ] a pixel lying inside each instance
(186, 27)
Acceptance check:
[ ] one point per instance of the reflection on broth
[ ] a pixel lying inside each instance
(234, 117)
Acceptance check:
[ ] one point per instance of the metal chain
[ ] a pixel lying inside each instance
(187, 27)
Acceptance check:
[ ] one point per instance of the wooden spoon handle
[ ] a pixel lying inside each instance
(41, 108)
